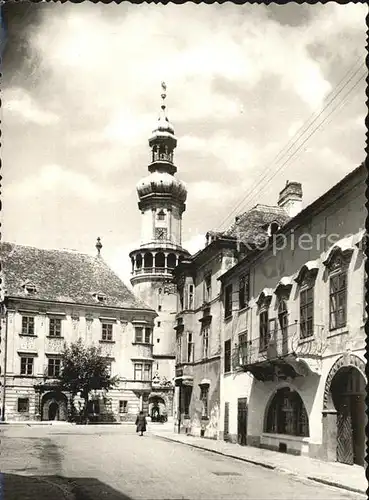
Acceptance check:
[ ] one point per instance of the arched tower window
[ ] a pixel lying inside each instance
(286, 414)
(148, 260)
(159, 260)
(139, 261)
(171, 261)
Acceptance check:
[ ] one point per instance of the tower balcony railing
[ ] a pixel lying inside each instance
(153, 270)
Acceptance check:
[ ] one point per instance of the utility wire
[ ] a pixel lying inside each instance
(342, 102)
(334, 94)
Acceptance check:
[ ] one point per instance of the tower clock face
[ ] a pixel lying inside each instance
(161, 233)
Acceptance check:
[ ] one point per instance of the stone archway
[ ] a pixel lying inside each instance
(54, 406)
(344, 416)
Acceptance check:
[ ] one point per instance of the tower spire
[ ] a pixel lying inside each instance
(163, 95)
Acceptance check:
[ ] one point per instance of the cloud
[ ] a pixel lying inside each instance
(195, 243)
(19, 103)
(54, 178)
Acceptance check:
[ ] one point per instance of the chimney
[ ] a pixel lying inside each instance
(98, 246)
(290, 198)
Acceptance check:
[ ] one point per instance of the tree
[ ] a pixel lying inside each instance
(83, 371)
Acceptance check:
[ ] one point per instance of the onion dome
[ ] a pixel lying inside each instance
(162, 183)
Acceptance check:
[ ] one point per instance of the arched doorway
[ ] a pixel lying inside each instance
(157, 408)
(286, 414)
(54, 406)
(346, 396)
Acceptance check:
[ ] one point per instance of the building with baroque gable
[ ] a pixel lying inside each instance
(162, 200)
(293, 341)
(57, 296)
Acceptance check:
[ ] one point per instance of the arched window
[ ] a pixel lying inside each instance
(139, 261)
(148, 260)
(159, 260)
(286, 414)
(171, 260)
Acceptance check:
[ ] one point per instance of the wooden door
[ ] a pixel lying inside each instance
(242, 421)
(345, 451)
(226, 422)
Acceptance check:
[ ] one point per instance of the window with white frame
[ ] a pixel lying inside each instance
(142, 371)
(242, 349)
(227, 355)
(143, 335)
(28, 325)
(107, 332)
(179, 348)
(55, 327)
(264, 329)
(26, 365)
(190, 297)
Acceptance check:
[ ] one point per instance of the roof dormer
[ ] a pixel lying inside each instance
(29, 287)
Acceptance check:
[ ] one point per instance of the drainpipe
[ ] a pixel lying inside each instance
(4, 312)
(179, 410)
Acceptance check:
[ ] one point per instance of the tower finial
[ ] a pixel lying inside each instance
(163, 94)
(98, 246)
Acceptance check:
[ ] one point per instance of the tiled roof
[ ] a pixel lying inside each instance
(252, 226)
(63, 276)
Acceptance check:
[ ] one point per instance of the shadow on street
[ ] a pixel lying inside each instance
(15, 487)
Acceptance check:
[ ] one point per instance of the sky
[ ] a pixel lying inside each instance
(81, 95)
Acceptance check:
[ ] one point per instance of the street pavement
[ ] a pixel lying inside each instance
(112, 462)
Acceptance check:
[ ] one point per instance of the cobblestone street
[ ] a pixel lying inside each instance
(112, 462)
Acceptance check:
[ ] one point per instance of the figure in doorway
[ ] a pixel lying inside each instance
(141, 423)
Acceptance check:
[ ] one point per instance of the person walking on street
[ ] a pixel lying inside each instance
(141, 423)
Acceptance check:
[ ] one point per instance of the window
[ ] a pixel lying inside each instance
(53, 367)
(93, 407)
(123, 406)
(283, 318)
(161, 215)
(23, 405)
(244, 291)
(287, 414)
(179, 348)
(207, 288)
(159, 308)
(159, 323)
(26, 366)
(28, 325)
(187, 399)
(205, 342)
(190, 347)
(108, 366)
(204, 397)
(306, 312)
(55, 327)
(242, 349)
(190, 297)
(142, 335)
(142, 371)
(227, 356)
(228, 301)
(337, 300)
(107, 331)
(263, 330)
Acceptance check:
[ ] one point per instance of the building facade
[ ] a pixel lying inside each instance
(199, 321)
(54, 297)
(161, 202)
(293, 342)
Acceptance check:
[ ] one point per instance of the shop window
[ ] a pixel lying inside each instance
(286, 414)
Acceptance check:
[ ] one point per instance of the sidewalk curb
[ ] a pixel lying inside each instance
(268, 466)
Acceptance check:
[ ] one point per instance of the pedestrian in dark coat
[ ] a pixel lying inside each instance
(141, 423)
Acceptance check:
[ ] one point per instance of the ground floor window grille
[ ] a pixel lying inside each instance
(123, 406)
(287, 414)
